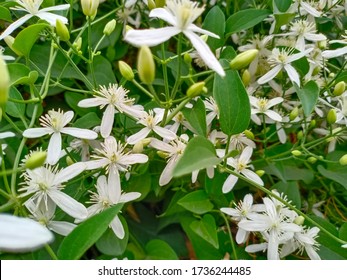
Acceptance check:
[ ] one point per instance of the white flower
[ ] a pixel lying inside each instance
(337, 136)
(45, 217)
(180, 14)
(4, 135)
(113, 158)
(46, 183)
(22, 234)
(151, 122)
(213, 109)
(54, 124)
(174, 151)
(107, 195)
(115, 100)
(262, 106)
(281, 59)
(240, 165)
(32, 8)
(274, 224)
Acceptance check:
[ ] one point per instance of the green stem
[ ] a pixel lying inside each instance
(7, 206)
(179, 62)
(51, 252)
(230, 236)
(176, 110)
(90, 50)
(12, 124)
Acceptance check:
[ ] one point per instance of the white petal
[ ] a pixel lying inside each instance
(292, 74)
(229, 183)
(142, 134)
(69, 172)
(205, 53)
(165, 133)
(37, 132)
(95, 164)
(160, 145)
(4, 135)
(241, 236)
(117, 227)
(230, 211)
(315, 37)
(91, 102)
(273, 115)
(197, 29)
(164, 15)
(334, 53)
(252, 176)
(113, 186)
(22, 234)
(68, 204)
(56, 8)
(272, 249)
(68, 116)
(107, 121)
(133, 158)
(129, 197)
(54, 148)
(150, 37)
(298, 55)
(246, 154)
(51, 18)
(13, 26)
(312, 253)
(256, 248)
(308, 8)
(269, 75)
(274, 101)
(62, 228)
(166, 175)
(80, 132)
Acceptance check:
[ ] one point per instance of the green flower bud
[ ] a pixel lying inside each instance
(126, 70)
(151, 5)
(187, 58)
(312, 124)
(9, 40)
(35, 160)
(138, 147)
(69, 161)
(322, 44)
(296, 153)
(299, 220)
(242, 60)
(343, 160)
(4, 81)
(195, 89)
(78, 44)
(312, 160)
(146, 65)
(62, 31)
(160, 3)
(331, 117)
(249, 134)
(316, 71)
(162, 154)
(260, 172)
(294, 113)
(90, 7)
(109, 27)
(300, 134)
(339, 88)
(246, 78)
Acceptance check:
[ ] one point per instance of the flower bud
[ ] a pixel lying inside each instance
(300, 134)
(151, 5)
(249, 134)
(62, 31)
(78, 44)
(109, 27)
(4, 81)
(160, 3)
(35, 160)
(162, 154)
(246, 78)
(260, 172)
(145, 65)
(331, 117)
(69, 161)
(138, 147)
(322, 44)
(187, 58)
(9, 40)
(242, 60)
(312, 124)
(195, 89)
(312, 160)
(339, 88)
(296, 153)
(126, 70)
(294, 113)
(299, 220)
(90, 7)
(343, 160)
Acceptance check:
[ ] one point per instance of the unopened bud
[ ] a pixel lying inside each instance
(109, 27)
(36, 159)
(162, 154)
(146, 65)
(78, 44)
(138, 147)
(312, 160)
(299, 220)
(90, 7)
(62, 31)
(316, 71)
(4, 81)
(246, 78)
(294, 113)
(187, 58)
(343, 160)
(195, 89)
(339, 88)
(249, 134)
(9, 40)
(69, 161)
(300, 135)
(322, 44)
(296, 153)
(260, 172)
(312, 124)
(151, 5)
(242, 60)
(160, 3)
(331, 117)
(127, 28)
(126, 70)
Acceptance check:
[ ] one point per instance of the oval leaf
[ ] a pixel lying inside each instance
(196, 202)
(196, 116)
(215, 22)
(233, 102)
(282, 5)
(308, 96)
(86, 234)
(159, 250)
(206, 229)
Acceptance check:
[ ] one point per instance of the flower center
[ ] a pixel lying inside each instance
(262, 103)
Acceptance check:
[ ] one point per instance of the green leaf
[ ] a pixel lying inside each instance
(339, 175)
(110, 244)
(206, 229)
(215, 22)
(308, 96)
(282, 5)
(282, 19)
(72, 99)
(5, 14)
(103, 71)
(199, 154)
(21, 74)
(245, 19)
(343, 232)
(159, 250)
(14, 109)
(27, 38)
(233, 102)
(86, 234)
(89, 120)
(196, 116)
(196, 202)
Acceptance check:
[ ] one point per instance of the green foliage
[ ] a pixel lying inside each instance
(196, 117)
(308, 96)
(215, 22)
(196, 202)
